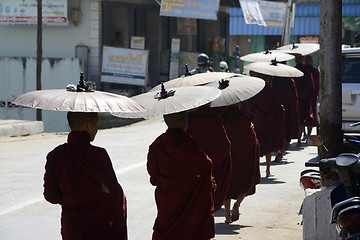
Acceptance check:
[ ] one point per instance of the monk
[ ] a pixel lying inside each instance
(268, 118)
(208, 131)
(245, 154)
(181, 172)
(305, 90)
(286, 89)
(312, 121)
(80, 177)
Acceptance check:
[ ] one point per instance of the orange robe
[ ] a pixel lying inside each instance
(181, 172)
(208, 131)
(245, 152)
(80, 177)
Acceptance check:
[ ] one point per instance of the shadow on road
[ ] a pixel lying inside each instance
(270, 180)
(228, 229)
(282, 162)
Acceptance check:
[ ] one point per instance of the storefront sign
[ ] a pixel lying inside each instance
(189, 58)
(125, 66)
(137, 42)
(309, 40)
(202, 9)
(24, 12)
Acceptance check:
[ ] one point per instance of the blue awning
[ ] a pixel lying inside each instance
(306, 21)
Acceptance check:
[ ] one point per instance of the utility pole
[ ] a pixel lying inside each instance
(39, 54)
(330, 76)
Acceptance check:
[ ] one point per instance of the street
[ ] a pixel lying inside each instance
(271, 213)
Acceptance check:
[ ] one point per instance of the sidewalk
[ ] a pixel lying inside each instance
(12, 128)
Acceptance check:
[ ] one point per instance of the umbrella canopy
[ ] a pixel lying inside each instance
(194, 80)
(236, 89)
(274, 69)
(267, 56)
(172, 101)
(300, 48)
(63, 100)
(80, 98)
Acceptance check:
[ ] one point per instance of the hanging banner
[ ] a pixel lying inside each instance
(252, 12)
(201, 9)
(125, 66)
(24, 12)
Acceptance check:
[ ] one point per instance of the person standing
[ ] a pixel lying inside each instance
(312, 121)
(182, 174)
(80, 177)
(245, 154)
(208, 131)
(268, 118)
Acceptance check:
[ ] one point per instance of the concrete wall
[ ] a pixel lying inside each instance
(18, 75)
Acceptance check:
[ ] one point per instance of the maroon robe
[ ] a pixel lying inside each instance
(268, 118)
(245, 152)
(80, 177)
(305, 89)
(208, 131)
(181, 172)
(315, 78)
(286, 90)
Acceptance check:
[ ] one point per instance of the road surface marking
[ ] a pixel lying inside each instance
(39, 199)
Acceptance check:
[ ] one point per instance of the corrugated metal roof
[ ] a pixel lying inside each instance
(306, 21)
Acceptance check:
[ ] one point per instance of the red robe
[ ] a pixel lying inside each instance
(181, 172)
(268, 118)
(305, 90)
(80, 177)
(286, 90)
(315, 78)
(208, 131)
(245, 152)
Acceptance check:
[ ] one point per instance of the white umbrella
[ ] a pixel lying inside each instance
(236, 89)
(77, 99)
(300, 48)
(194, 80)
(172, 101)
(274, 69)
(267, 56)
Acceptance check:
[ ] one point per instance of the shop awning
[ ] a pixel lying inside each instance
(306, 21)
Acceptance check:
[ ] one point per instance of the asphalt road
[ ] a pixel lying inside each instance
(271, 213)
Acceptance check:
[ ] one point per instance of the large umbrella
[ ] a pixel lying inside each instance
(300, 48)
(274, 69)
(80, 98)
(267, 56)
(194, 80)
(175, 100)
(236, 89)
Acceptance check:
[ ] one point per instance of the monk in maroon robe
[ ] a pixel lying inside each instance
(305, 89)
(286, 90)
(80, 177)
(268, 118)
(312, 122)
(245, 154)
(208, 131)
(181, 172)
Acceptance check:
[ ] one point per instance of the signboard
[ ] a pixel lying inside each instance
(124, 65)
(309, 40)
(137, 42)
(186, 26)
(202, 9)
(174, 58)
(24, 12)
(252, 12)
(189, 58)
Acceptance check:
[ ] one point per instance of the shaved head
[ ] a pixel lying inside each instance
(77, 119)
(177, 120)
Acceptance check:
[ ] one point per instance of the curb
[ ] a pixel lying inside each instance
(12, 128)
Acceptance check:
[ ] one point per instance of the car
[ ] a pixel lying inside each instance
(350, 88)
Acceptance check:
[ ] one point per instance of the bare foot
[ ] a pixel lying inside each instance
(235, 212)
(228, 218)
(268, 174)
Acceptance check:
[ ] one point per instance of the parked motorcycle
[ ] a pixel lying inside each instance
(345, 198)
